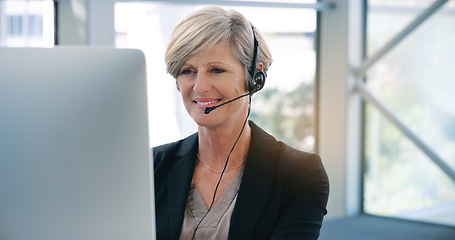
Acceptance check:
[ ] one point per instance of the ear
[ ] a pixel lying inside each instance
(260, 66)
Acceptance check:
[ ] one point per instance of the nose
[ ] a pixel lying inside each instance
(202, 83)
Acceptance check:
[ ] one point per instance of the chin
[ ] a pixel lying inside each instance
(206, 121)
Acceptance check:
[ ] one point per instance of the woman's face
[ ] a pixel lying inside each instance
(210, 79)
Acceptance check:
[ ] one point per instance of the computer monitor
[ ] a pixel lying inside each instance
(74, 150)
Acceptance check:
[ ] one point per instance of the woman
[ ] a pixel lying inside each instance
(230, 180)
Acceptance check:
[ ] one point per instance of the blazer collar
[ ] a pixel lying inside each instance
(179, 180)
(257, 182)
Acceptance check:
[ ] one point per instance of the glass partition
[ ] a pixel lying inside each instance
(415, 81)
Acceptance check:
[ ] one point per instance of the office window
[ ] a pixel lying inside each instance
(285, 107)
(35, 25)
(26, 23)
(14, 25)
(415, 81)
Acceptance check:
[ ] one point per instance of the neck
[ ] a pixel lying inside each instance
(215, 144)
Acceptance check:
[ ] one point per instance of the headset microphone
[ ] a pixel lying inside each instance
(207, 110)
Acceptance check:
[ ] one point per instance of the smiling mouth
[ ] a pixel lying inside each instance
(207, 103)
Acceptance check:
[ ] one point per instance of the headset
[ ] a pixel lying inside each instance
(257, 76)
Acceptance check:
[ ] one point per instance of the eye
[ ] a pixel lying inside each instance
(186, 72)
(217, 70)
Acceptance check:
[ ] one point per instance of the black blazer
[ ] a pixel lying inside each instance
(283, 193)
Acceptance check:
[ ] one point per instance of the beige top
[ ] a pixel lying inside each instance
(216, 224)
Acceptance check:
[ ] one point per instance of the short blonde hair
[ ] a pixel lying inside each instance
(202, 29)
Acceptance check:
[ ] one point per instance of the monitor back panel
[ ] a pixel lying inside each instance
(74, 152)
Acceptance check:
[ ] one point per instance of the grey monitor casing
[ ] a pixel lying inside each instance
(74, 150)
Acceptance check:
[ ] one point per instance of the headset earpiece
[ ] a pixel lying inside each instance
(257, 76)
(258, 80)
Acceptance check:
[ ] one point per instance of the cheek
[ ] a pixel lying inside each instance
(184, 84)
(243, 84)
(186, 101)
(183, 88)
(186, 94)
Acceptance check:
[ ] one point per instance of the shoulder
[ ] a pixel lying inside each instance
(303, 167)
(290, 157)
(282, 153)
(292, 165)
(167, 152)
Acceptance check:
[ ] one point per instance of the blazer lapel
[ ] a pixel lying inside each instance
(179, 181)
(257, 182)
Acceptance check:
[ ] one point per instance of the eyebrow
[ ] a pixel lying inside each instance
(205, 64)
